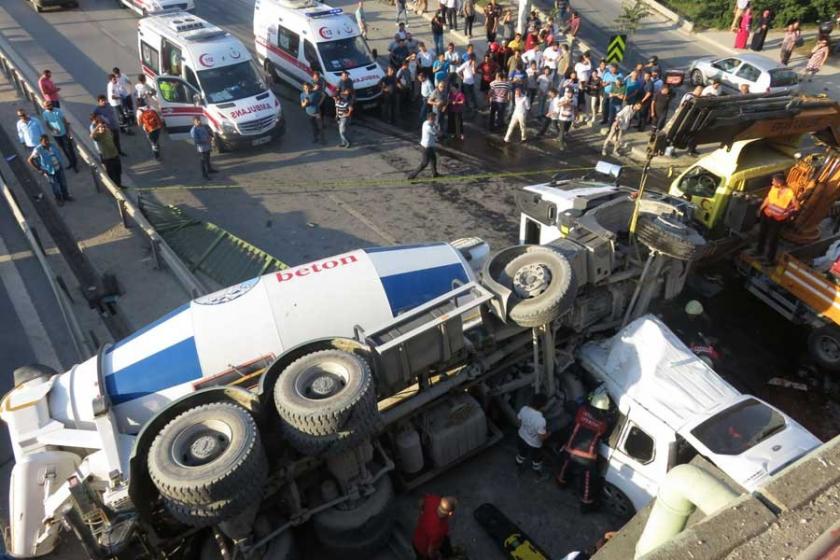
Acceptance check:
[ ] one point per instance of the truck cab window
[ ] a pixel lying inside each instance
(174, 90)
(699, 182)
(639, 445)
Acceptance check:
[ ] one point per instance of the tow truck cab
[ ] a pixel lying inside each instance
(295, 37)
(200, 70)
(671, 406)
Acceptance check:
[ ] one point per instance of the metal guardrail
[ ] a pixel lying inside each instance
(82, 345)
(126, 207)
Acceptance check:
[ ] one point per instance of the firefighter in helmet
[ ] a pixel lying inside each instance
(580, 453)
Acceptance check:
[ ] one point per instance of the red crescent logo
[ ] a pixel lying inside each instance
(206, 60)
(325, 32)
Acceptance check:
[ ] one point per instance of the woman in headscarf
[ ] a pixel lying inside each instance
(760, 34)
(819, 55)
(743, 29)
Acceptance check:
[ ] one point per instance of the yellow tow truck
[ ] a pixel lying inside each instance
(761, 136)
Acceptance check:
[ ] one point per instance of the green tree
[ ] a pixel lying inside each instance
(632, 15)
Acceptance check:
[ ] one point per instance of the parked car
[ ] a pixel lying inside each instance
(760, 73)
(672, 406)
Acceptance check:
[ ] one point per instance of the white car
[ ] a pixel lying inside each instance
(673, 406)
(760, 73)
(147, 7)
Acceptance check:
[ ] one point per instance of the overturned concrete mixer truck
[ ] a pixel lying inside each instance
(310, 394)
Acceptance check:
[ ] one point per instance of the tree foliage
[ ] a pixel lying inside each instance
(632, 15)
(718, 13)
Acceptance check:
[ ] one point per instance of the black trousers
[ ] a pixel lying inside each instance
(468, 25)
(66, 146)
(644, 116)
(445, 550)
(113, 167)
(429, 156)
(452, 18)
(497, 114)
(586, 473)
(204, 157)
(546, 123)
(768, 237)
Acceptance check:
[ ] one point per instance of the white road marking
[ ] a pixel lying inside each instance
(353, 212)
(26, 312)
(22, 255)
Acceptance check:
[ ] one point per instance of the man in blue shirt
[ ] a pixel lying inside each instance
(310, 101)
(203, 140)
(608, 79)
(29, 130)
(46, 159)
(60, 128)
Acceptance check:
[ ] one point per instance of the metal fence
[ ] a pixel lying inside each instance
(128, 210)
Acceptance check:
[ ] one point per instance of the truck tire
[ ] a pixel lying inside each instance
(361, 529)
(824, 347)
(210, 514)
(669, 237)
(327, 402)
(617, 501)
(543, 286)
(208, 454)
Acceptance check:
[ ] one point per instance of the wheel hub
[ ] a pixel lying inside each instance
(531, 280)
(205, 448)
(324, 386)
(828, 346)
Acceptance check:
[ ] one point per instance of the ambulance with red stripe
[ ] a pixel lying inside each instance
(147, 7)
(293, 38)
(202, 70)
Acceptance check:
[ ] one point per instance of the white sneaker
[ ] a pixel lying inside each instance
(507, 140)
(604, 153)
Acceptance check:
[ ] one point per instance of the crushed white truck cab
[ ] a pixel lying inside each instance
(672, 406)
(305, 395)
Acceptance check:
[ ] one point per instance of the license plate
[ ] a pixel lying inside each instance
(371, 105)
(261, 141)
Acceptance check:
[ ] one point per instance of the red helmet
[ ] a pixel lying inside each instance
(494, 47)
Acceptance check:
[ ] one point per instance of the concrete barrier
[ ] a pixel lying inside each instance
(682, 23)
(127, 208)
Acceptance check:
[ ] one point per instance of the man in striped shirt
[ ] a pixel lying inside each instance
(499, 95)
(343, 112)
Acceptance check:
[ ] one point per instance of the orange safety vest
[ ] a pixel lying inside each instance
(779, 204)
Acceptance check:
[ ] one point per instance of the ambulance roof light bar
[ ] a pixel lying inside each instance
(325, 13)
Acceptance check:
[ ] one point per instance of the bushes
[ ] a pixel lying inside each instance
(718, 13)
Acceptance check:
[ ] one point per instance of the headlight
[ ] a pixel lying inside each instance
(228, 128)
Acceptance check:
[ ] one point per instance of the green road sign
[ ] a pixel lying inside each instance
(615, 50)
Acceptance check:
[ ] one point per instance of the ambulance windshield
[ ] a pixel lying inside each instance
(345, 54)
(229, 83)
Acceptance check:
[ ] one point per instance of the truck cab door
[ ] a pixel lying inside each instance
(701, 187)
(637, 457)
(179, 103)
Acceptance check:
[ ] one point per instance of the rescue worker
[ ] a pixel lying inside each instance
(431, 534)
(532, 433)
(151, 123)
(779, 206)
(581, 450)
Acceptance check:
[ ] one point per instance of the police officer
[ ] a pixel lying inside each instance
(581, 450)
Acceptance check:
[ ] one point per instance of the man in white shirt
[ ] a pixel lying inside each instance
(583, 68)
(621, 123)
(116, 91)
(428, 141)
(711, 90)
(532, 433)
(521, 106)
(549, 57)
(533, 55)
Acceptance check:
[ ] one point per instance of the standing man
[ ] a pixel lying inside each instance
(438, 23)
(581, 450)
(60, 129)
(492, 13)
(431, 535)
(499, 96)
(401, 10)
(346, 84)
(388, 87)
(779, 207)
(522, 16)
(532, 433)
(46, 159)
(521, 107)
(567, 107)
(361, 19)
(127, 101)
(143, 91)
(151, 123)
(343, 112)
(451, 14)
(427, 88)
(404, 87)
(468, 11)
(646, 101)
(428, 141)
(310, 101)
(552, 113)
(467, 72)
(106, 112)
(48, 88)
(659, 107)
(202, 138)
(29, 130)
(107, 147)
(116, 92)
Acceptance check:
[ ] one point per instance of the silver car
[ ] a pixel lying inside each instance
(761, 74)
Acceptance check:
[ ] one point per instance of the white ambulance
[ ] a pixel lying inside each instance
(148, 7)
(201, 70)
(295, 37)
